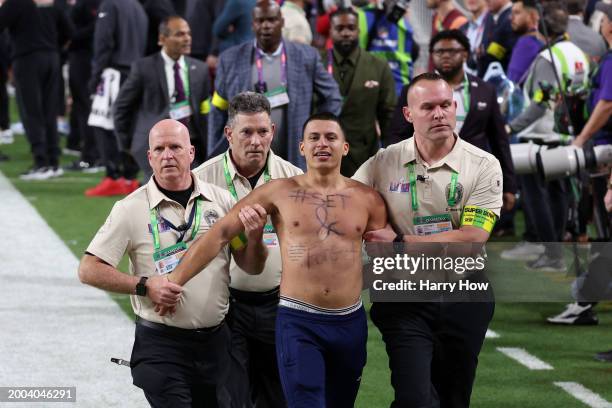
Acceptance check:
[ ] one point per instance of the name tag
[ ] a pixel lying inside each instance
(277, 97)
(180, 110)
(432, 224)
(168, 258)
(270, 238)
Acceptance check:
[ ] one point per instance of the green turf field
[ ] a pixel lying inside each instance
(501, 382)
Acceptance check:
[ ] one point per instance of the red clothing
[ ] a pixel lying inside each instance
(453, 20)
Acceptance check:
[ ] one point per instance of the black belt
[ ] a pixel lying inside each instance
(255, 298)
(177, 331)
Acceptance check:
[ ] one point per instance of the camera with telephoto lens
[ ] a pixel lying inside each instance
(553, 163)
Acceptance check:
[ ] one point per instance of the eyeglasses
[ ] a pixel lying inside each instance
(451, 51)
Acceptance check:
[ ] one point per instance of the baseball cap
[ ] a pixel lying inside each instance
(604, 8)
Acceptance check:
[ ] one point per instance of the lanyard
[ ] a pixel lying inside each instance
(479, 30)
(330, 60)
(196, 212)
(230, 182)
(259, 65)
(466, 95)
(413, 190)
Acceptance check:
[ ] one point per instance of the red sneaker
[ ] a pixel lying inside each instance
(129, 186)
(107, 187)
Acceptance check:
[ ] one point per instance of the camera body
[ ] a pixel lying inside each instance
(395, 9)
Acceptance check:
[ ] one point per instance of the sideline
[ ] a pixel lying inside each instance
(55, 330)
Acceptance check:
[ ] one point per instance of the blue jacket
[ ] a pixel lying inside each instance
(237, 14)
(305, 76)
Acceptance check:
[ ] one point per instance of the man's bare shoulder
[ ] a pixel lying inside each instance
(280, 184)
(361, 188)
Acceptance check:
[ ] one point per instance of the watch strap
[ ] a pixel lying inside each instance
(141, 288)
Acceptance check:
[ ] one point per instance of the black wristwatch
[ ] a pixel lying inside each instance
(141, 288)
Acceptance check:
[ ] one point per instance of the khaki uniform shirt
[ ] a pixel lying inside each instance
(212, 172)
(479, 182)
(204, 301)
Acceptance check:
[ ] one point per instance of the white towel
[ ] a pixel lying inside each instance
(102, 106)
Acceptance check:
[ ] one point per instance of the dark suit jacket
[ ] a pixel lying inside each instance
(483, 127)
(143, 101)
(305, 77)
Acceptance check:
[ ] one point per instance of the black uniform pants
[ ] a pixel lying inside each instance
(254, 379)
(4, 101)
(118, 164)
(433, 350)
(81, 134)
(181, 370)
(37, 79)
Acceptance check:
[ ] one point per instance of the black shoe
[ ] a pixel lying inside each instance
(38, 173)
(84, 166)
(546, 264)
(605, 356)
(575, 315)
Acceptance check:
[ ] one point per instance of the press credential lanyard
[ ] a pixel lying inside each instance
(196, 211)
(413, 189)
(259, 65)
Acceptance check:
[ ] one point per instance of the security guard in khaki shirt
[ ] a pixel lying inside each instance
(247, 164)
(180, 359)
(438, 188)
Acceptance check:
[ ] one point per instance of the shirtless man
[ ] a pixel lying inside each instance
(320, 217)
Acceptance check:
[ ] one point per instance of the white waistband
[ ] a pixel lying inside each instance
(307, 307)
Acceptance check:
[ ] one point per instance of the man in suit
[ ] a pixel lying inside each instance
(367, 87)
(167, 84)
(287, 73)
(479, 120)
(498, 38)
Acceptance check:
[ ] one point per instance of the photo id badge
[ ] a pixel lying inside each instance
(168, 258)
(432, 224)
(277, 97)
(269, 236)
(180, 110)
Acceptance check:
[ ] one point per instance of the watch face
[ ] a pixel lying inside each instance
(141, 289)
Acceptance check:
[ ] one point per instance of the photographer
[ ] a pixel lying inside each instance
(598, 128)
(548, 202)
(384, 31)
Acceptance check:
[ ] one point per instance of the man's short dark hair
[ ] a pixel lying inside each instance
(247, 103)
(527, 3)
(322, 116)
(427, 76)
(555, 18)
(575, 7)
(163, 25)
(450, 35)
(342, 11)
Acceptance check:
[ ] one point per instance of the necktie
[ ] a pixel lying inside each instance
(179, 89)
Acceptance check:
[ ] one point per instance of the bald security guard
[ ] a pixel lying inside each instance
(179, 360)
(433, 347)
(247, 164)
(320, 217)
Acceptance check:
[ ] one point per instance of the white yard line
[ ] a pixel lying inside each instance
(55, 330)
(583, 394)
(490, 334)
(523, 357)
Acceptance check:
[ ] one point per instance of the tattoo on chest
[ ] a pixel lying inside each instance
(322, 204)
(319, 254)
